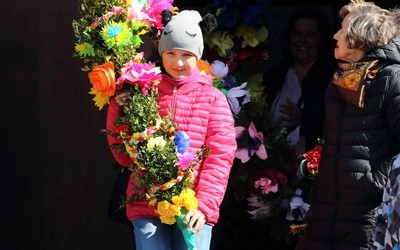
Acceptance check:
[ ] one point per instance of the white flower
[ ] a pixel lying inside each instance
(158, 142)
(219, 69)
(234, 94)
(262, 209)
(298, 208)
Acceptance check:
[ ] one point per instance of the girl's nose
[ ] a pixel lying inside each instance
(179, 62)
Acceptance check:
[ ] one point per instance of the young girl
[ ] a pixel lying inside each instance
(203, 113)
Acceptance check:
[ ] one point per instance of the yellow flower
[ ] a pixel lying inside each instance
(188, 200)
(158, 142)
(224, 42)
(85, 49)
(251, 36)
(99, 99)
(167, 212)
(254, 84)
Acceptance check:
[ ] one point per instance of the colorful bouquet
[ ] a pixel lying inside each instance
(108, 36)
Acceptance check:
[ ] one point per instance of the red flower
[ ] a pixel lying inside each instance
(313, 157)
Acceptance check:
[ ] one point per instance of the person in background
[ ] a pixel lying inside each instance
(203, 113)
(361, 131)
(386, 233)
(295, 87)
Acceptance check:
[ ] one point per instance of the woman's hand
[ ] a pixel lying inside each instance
(292, 113)
(122, 97)
(196, 220)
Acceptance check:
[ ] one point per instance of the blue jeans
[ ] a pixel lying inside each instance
(151, 234)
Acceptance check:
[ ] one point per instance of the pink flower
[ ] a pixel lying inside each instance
(255, 144)
(154, 9)
(144, 75)
(186, 159)
(149, 12)
(269, 179)
(117, 10)
(266, 185)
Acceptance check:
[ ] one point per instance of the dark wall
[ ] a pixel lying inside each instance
(57, 172)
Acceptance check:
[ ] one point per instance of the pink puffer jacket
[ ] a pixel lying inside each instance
(202, 112)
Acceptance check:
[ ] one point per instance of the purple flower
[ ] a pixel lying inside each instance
(185, 160)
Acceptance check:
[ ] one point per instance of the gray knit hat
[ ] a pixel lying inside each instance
(183, 32)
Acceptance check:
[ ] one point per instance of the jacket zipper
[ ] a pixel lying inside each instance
(336, 172)
(173, 102)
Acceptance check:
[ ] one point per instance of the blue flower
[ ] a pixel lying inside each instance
(181, 141)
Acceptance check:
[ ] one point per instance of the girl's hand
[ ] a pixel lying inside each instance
(122, 97)
(196, 220)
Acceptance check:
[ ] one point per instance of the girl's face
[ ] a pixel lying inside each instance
(342, 51)
(178, 63)
(305, 40)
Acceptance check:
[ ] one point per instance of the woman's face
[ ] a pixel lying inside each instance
(305, 40)
(342, 51)
(178, 63)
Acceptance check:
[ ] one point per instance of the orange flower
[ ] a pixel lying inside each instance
(203, 66)
(103, 79)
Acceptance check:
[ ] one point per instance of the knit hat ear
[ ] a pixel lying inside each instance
(183, 31)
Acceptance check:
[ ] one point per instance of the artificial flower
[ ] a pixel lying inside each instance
(295, 229)
(116, 34)
(84, 49)
(313, 157)
(261, 209)
(181, 141)
(266, 185)
(102, 78)
(223, 41)
(144, 75)
(237, 97)
(252, 37)
(167, 212)
(230, 13)
(154, 8)
(186, 199)
(255, 144)
(156, 142)
(99, 99)
(204, 67)
(274, 174)
(117, 10)
(310, 163)
(298, 208)
(219, 69)
(186, 159)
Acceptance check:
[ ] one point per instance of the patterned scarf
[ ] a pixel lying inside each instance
(350, 79)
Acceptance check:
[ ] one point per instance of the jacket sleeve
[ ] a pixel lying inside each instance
(392, 112)
(214, 175)
(393, 102)
(115, 110)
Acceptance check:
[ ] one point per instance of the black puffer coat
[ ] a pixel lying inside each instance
(359, 143)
